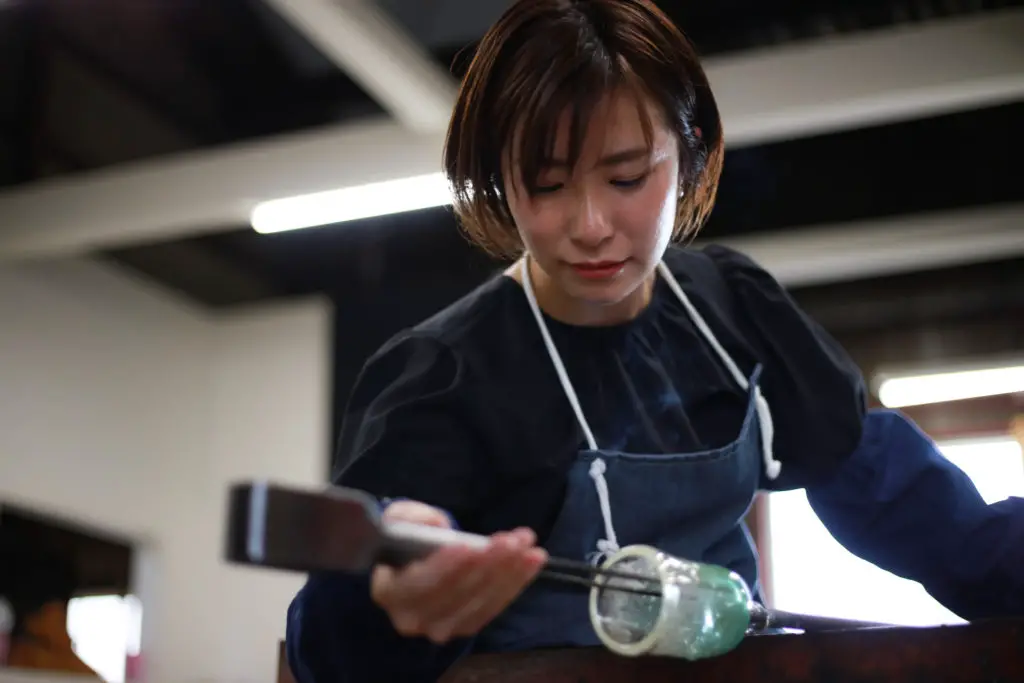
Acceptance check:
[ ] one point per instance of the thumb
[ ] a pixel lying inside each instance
(417, 513)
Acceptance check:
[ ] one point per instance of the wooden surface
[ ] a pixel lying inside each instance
(991, 651)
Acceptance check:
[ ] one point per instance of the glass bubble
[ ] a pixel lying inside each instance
(677, 608)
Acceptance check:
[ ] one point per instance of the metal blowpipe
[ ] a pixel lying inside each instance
(339, 529)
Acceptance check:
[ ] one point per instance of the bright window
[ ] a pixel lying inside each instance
(106, 630)
(813, 574)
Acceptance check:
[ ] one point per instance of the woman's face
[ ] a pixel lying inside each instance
(598, 230)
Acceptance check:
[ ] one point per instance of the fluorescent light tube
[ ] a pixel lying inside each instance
(941, 387)
(351, 203)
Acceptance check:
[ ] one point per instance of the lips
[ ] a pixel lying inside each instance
(598, 270)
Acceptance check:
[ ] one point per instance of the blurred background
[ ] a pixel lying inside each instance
(165, 331)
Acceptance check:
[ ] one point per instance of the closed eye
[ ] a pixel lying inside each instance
(630, 183)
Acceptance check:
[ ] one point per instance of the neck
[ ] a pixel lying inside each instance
(554, 301)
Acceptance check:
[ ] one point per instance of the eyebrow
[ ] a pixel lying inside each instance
(612, 159)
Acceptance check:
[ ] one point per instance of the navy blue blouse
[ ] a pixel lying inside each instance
(465, 412)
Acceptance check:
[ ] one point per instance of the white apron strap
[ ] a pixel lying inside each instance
(556, 358)
(764, 414)
(609, 544)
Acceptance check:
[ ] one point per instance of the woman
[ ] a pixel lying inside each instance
(610, 389)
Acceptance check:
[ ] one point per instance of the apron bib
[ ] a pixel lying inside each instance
(690, 505)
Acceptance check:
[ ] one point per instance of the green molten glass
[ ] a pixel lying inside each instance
(674, 608)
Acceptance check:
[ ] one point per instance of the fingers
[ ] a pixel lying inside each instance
(411, 596)
(487, 593)
(414, 588)
(416, 512)
(456, 591)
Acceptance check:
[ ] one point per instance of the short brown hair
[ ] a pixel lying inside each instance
(544, 57)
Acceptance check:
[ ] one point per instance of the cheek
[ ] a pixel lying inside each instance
(538, 223)
(652, 214)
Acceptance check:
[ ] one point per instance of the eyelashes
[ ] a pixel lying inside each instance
(622, 184)
(631, 183)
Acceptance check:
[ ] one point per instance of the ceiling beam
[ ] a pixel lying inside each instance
(203, 191)
(825, 254)
(888, 75)
(376, 53)
(872, 78)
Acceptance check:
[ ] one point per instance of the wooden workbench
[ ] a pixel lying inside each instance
(988, 651)
(982, 652)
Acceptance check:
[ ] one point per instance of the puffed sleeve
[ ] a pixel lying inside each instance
(406, 434)
(815, 391)
(898, 503)
(876, 481)
(408, 429)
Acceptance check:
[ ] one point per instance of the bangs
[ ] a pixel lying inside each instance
(562, 96)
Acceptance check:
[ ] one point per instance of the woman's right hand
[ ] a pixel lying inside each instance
(456, 591)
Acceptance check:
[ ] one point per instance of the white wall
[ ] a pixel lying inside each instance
(269, 400)
(122, 408)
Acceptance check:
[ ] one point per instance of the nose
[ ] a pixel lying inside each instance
(591, 225)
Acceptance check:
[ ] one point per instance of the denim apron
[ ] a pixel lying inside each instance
(690, 505)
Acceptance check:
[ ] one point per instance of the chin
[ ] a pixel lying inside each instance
(608, 292)
(600, 295)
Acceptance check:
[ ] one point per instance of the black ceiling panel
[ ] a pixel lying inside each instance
(718, 27)
(947, 162)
